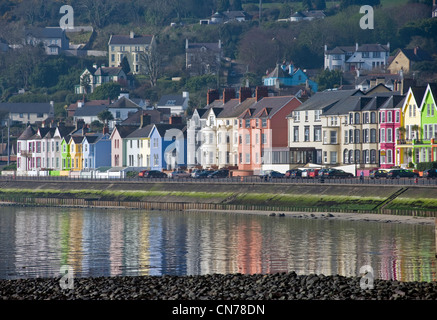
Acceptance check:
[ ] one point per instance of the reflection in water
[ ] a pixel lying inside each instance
(36, 242)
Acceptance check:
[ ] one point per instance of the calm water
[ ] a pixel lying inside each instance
(36, 242)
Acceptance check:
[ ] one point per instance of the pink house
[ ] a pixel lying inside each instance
(263, 132)
(389, 124)
(118, 147)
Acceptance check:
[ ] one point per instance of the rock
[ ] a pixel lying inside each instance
(272, 214)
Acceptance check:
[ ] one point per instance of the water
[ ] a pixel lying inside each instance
(36, 242)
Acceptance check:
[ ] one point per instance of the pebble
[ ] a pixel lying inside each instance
(277, 286)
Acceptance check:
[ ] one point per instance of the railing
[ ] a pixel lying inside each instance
(234, 180)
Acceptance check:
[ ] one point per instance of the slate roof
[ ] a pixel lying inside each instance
(108, 71)
(237, 110)
(141, 132)
(171, 100)
(272, 104)
(326, 99)
(124, 102)
(48, 32)
(26, 107)
(27, 133)
(124, 131)
(127, 40)
(89, 111)
(417, 54)
(163, 127)
(394, 102)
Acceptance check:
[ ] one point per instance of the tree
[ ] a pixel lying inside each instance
(110, 90)
(105, 116)
(328, 79)
(125, 65)
(152, 63)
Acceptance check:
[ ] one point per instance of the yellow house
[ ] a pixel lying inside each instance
(410, 122)
(405, 58)
(76, 152)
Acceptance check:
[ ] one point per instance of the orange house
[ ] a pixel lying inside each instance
(263, 133)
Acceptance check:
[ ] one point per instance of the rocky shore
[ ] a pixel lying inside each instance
(283, 286)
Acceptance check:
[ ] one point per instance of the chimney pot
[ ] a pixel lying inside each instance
(228, 94)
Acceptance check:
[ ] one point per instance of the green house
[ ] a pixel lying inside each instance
(65, 153)
(428, 109)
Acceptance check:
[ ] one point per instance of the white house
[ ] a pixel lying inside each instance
(176, 103)
(364, 57)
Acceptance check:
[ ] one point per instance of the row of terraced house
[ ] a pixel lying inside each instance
(250, 132)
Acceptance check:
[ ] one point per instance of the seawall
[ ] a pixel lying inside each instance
(386, 199)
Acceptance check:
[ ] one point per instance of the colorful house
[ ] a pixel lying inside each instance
(118, 144)
(263, 134)
(96, 151)
(65, 153)
(76, 152)
(288, 75)
(428, 151)
(168, 147)
(408, 146)
(138, 147)
(389, 124)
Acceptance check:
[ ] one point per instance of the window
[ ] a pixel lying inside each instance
(247, 140)
(372, 117)
(382, 136)
(296, 115)
(296, 134)
(263, 138)
(345, 156)
(247, 155)
(366, 117)
(389, 117)
(317, 133)
(333, 157)
(366, 136)
(389, 135)
(357, 118)
(372, 156)
(306, 115)
(397, 116)
(247, 123)
(372, 135)
(333, 137)
(365, 54)
(357, 156)
(351, 118)
(307, 133)
(317, 114)
(377, 54)
(382, 117)
(357, 136)
(346, 139)
(389, 156)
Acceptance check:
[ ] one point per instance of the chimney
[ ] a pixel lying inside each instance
(415, 50)
(186, 44)
(245, 93)
(261, 92)
(175, 120)
(84, 129)
(79, 104)
(145, 119)
(356, 46)
(105, 130)
(132, 35)
(228, 94)
(212, 95)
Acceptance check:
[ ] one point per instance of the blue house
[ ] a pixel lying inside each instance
(96, 151)
(168, 146)
(287, 75)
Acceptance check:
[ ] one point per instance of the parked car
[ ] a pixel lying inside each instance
(430, 173)
(272, 174)
(179, 174)
(337, 173)
(376, 174)
(322, 172)
(152, 174)
(223, 173)
(201, 174)
(193, 173)
(297, 173)
(313, 173)
(305, 173)
(401, 173)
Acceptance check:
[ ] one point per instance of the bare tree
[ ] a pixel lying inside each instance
(151, 59)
